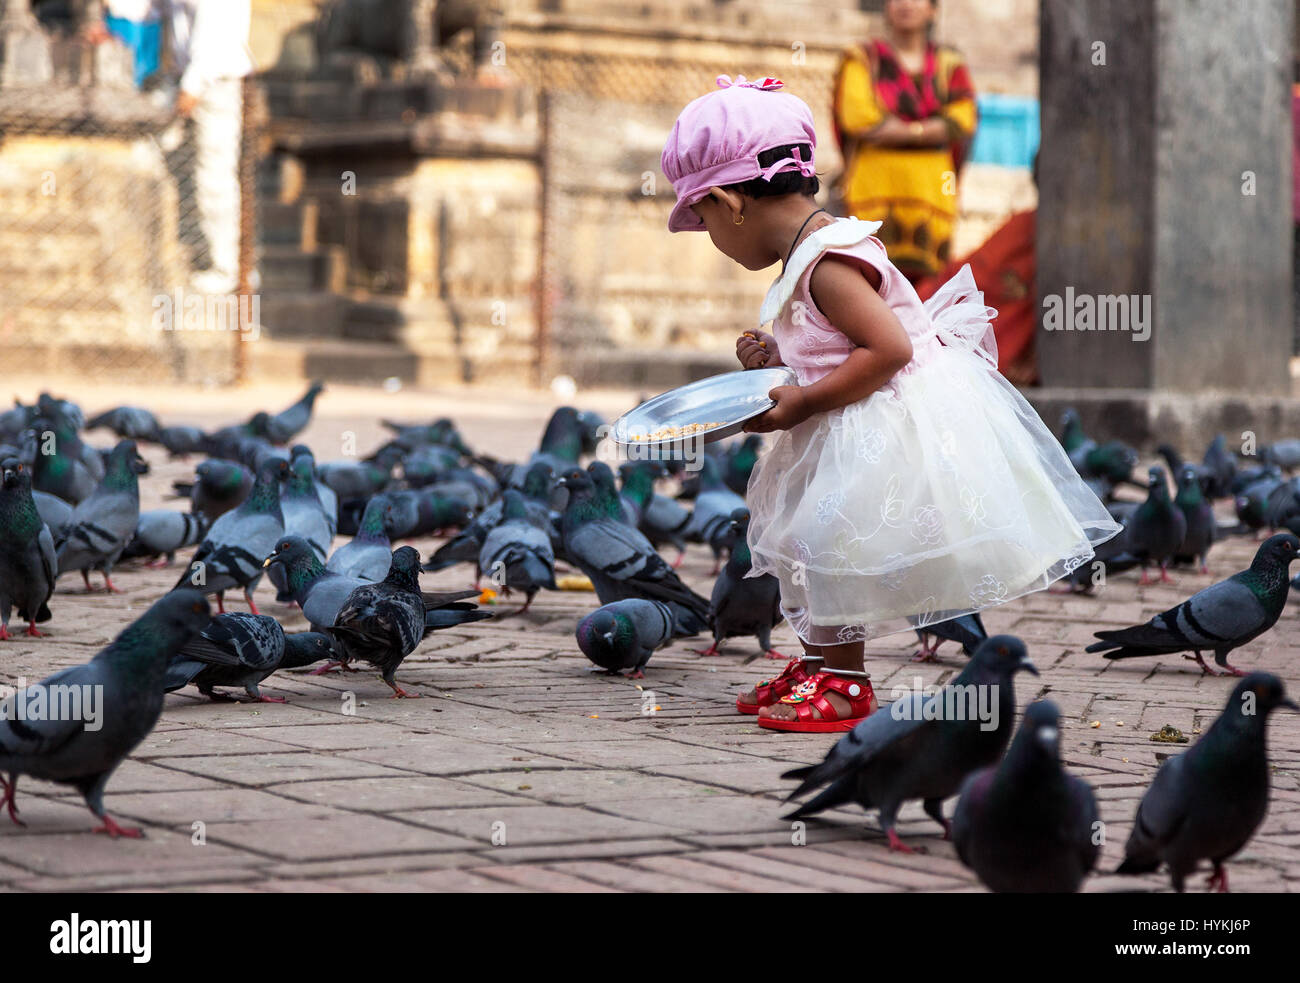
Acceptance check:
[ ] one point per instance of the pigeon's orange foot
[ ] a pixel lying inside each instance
(678, 562)
(1218, 880)
(924, 654)
(711, 650)
(4, 634)
(1232, 670)
(158, 564)
(270, 699)
(638, 674)
(32, 631)
(326, 668)
(774, 654)
(399, 693)
(896, 844)
(114, 830)
(10, 801)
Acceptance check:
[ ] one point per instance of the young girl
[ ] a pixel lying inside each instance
(908, 483)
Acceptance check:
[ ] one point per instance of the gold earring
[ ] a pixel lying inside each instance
(739, 221)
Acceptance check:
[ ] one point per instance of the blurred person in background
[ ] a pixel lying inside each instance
(904, 113)
(210, 57)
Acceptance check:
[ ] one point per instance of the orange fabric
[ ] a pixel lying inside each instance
(1004, 269)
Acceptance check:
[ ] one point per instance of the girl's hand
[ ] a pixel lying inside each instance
(757, 350)
(791, 409)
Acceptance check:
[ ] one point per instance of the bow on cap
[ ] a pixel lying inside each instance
(768, 84)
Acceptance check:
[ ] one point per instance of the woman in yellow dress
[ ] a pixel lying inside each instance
(904, 116)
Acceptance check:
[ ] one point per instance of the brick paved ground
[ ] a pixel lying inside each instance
(516, 736)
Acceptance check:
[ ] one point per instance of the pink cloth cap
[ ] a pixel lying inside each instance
(717, 139)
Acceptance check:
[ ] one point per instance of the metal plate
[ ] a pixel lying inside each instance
(728, 399)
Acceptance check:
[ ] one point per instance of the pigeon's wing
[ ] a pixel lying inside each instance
(614, 548)
(1226, 612)
(1082, 829)
(1161, 813)
(36, 738)
(869, 738)
(49, 561)
(973, 794)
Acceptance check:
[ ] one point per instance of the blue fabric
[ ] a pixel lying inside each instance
(1008, 131)
(144, 40)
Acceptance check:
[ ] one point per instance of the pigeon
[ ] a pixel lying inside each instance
(923, 746)
(28, 564)
(663, 520)
(105, 521)
(619, 560)
(383, 623)
(967, 631)
(182, 441)
(1025, 826)
(1157, 528)
(218, 487)
(714, 504)
(741, 604)
(1222, 617)
(128, 422)
(465, 546)
(303, 516)
(1284, 453)
(422, 511)
(1219, 467)
(1108, 559)
(55, 513)
(319, 592)
(161, 532)
(517, 552)
(103, 708)
(360, 479)
(284, 426)
(61, 466)
(232, 551)
(623, 635)
(602, 478)
(368, 554)
(241, 649)
(739, 462)
(329, 502)
(1198, 514)
(1206, 803)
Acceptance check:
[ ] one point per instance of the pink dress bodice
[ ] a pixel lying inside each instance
(809, 344)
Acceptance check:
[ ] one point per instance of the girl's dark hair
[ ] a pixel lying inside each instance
(784, 182)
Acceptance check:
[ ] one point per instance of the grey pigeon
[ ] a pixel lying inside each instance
(1222, 617)
(1220, 467)
(742, 605)
(284, 426)
(63, 465)
(1157, 527)
(218, 488)
(368, 554)
(128, 422)
(1025, 826)
(922, 746)
(1199, 518)
(106, 707)
(714, 503)
(104, 522)
(319, 592)
(967, 631)
(465, 546)
(28, 565)
(618, 559)
(182, 441)
(517, 553)
(329, 501)
(55, 513)
(383, 623)
(303, 515)
(161, 532)
(231, 553)
(663, 520)
(624, 634)
(1206, 803)
(241, 649)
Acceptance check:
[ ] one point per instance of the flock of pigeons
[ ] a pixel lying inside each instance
(262, 506)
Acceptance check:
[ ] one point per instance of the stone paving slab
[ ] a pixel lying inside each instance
(518, 769)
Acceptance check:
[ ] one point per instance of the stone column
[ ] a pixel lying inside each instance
(24, 48)
(1165, 174)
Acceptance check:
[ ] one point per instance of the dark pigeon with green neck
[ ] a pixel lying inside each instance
(369, 554)
(742, 605)
(1199, 515)
(618, 559)
(231, 554)
(28, 563)
(1156, 529)
(714, 504)
(623, 635)
(924, 745)
(1220, 618)
(116, 699)
(1025, 826)
(516, 553)
(1206, 803)
(663, 520)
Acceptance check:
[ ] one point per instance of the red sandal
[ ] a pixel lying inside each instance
(771, 690)
(810, 695)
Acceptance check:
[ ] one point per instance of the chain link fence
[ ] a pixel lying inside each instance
(103, 253)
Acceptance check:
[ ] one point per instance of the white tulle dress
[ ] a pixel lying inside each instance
(941, 494)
